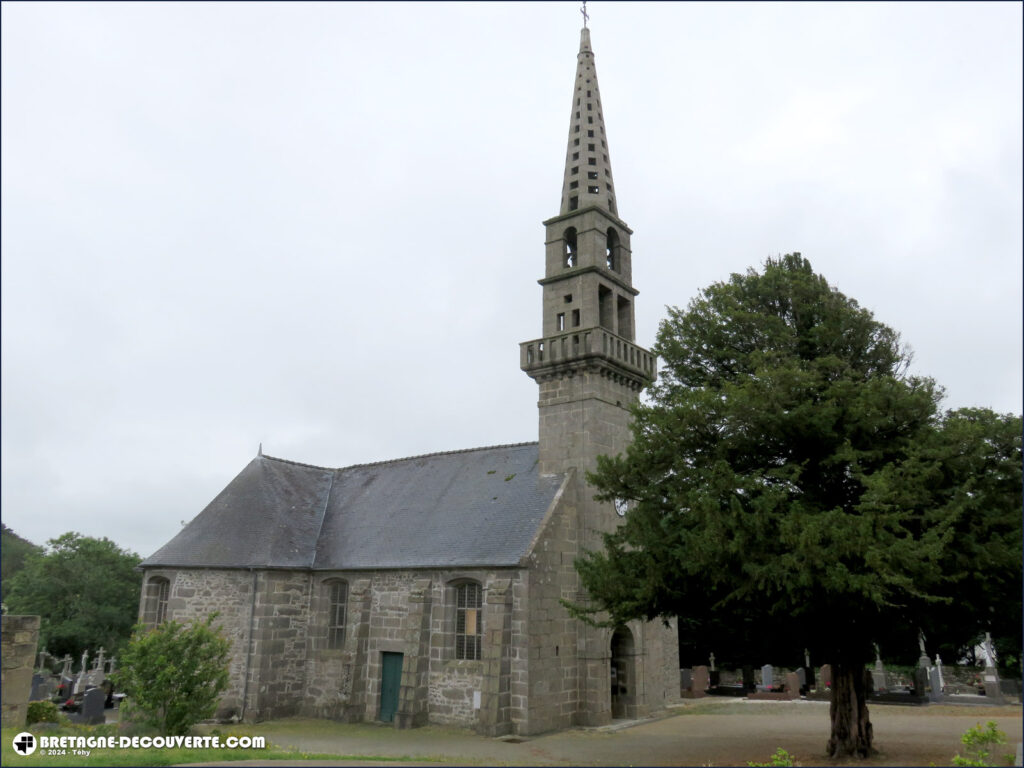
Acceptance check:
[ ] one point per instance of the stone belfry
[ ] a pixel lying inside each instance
(586, 363)
(589, 372)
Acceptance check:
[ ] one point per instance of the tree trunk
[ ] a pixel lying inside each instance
(851, 726)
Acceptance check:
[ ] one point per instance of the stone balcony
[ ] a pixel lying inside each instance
(581, 347)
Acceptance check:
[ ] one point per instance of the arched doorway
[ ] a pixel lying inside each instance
(623, 674)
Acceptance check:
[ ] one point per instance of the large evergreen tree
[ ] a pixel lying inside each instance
(782, 482)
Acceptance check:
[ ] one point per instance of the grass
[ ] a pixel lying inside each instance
(156, 757)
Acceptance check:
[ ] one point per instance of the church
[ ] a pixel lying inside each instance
(429, 589)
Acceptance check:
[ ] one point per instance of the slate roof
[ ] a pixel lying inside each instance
(479, 507)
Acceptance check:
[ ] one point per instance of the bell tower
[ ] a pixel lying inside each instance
(590, 371)
(586, 362)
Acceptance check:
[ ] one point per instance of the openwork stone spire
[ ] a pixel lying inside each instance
(588, 171)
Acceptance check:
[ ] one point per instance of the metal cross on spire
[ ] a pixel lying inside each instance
(583, 10)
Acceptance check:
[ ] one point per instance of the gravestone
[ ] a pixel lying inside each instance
(801, 677)
(766, 676)
(38, 690)
(809, 677)
(83, 675)
(920, 683)
(990, 678)
(878, 680)
(792, 684)
(923, 661)
(826, 675)
(685, 679)
(701, 680)
(935, 679)
(92, 707)
(748, 679)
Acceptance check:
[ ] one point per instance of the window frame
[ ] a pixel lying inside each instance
(154, 606)
(469, 597)
(336, 597)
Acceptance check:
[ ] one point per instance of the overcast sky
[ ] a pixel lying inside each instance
(318, 226)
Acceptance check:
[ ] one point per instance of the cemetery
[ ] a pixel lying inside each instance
(83, 696)
(927, 683)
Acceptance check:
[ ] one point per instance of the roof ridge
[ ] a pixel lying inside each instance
(295, 463)
(441, 453)
(403, 458)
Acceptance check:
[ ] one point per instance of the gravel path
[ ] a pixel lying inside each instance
(702, 732)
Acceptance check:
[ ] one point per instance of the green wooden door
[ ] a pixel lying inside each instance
(390, 680)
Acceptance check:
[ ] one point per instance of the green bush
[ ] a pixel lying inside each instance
(979, 742)
(173, 675)
(43, 712)
(780, 758)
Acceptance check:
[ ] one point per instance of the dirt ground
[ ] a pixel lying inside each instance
(704, 732)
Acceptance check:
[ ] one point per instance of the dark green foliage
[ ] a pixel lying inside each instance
(14, 550)
(86, 590)
(794, 487)
(173, 675)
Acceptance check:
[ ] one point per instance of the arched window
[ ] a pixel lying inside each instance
(569, 238)
(337, 603)
(612, 250)
(154, 611)
(469, 629)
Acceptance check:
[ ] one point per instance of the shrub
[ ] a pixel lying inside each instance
(174, 674)
(780, 758)
(42, 712)
(979, 742)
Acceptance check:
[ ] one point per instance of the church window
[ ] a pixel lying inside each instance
(577, 114)
(603, 144)
(154, 611)
(591, 161)
(588, 94)
(591, 174)
(574, 170)
(591, 147)
(336, 610)
(605, 158)
(575, 142)
(589, 133)
(589, 107)
(573, 184)
(577, 129)
(575, 155)
(567, 298)
(468, 620)
(561, 321)
(575, 318)
(574, 203)
(590, 119)
(569, 238)
(594, 190)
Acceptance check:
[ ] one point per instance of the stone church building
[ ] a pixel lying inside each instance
(428, 589)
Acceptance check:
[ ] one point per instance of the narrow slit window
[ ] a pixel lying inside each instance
(575, 318)
(336, 612)
(561, 321)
